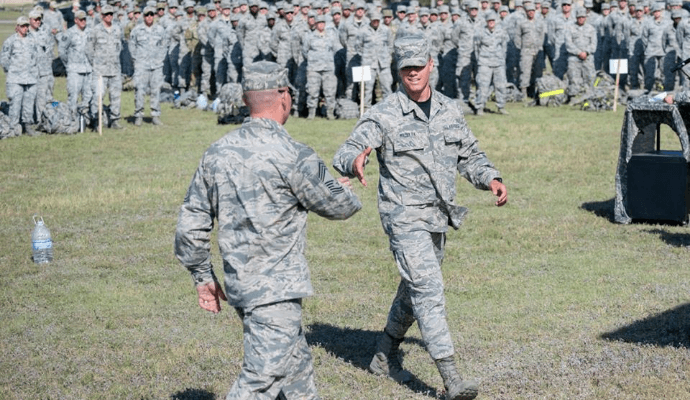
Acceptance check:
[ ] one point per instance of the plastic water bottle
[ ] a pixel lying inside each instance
(41, 242)
(176, 95)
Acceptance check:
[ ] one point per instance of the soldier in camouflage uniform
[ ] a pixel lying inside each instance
(318, 48)
(463, 35)
(72, 51)
(350, 32)
(148, 43)
(18, 59)
(652, 35)
(529, 40)
(580, 43)
(422, 141)
(490, 45)
(44, 44)
(557, 35)
(103, 51)
(260, 185)
(376, 44)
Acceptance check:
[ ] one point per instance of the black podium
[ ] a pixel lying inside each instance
(652, 183)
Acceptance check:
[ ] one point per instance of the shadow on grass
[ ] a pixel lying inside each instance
(670, 328)
(672, 239)
(356, 347)
(193, 394)
(603, 209)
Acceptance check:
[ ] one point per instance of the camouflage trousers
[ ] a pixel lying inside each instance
(352, 60)
(635, 71)
(226, 72)
(464, 70)
(581, 74)
(487, 75)
(318, 81)
(449, 84)
(277, 361)
(514, 64)
(531, 66)
(420, 297)
(79, 83)
(653, 70)
(560, 62)
(206, 73)
(126, 60)
(44, 93)
(671, 79)
(22, 98)
(184, 69)
(148, 81)
(113, 86)
(385, 81)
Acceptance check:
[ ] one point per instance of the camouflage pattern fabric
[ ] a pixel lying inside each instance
(18, 59)
(550, 91)
(72, 51)
(578, 39)
(103, 51)
(638, 136)
(58, 117)
(276, 355)
(148, 46)
(7, 129)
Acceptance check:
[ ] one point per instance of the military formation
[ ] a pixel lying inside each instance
(479, 48)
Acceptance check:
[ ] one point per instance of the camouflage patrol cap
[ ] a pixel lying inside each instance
(254, 3)
(402, 9)
(530, 7)
(518, 3)
(580, 12)
(311, 14)
(605, 6)
(188, 4)
(264, 75)
(200, 10)
(433, 11)
(657, 7)
(503, 9)
(360, 4)
(235, 17)
(107, 9)
(472, 4)
(677, 14)
(424, 11)
(33, 14)
(80, 14)
(675, 2)
(490, 16)
(225, 4)
(137, 10)
(160, 5)
(211, 6)
(375, 15)
(22, 21)
(614, 3)
(320, 19)
(566, 2)
(53, 4)
(411, 51)
(336, 10)
(445, 9)
(455, 11)
(387, 12)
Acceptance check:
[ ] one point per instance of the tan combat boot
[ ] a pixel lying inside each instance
(386, 361)
(456, 388)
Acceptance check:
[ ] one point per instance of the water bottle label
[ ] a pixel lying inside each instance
(42, 244)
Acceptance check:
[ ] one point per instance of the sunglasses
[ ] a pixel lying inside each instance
(150, 14)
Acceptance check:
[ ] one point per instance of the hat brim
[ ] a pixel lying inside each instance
(412, 62)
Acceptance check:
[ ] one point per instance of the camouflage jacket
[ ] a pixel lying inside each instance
(72, 50)
(18, 59)
(45, 43)
(103, 49)
(148, 46)
(652, 35)
(580, 38)
(259, 184)
(491, 47)
(410, 149)
(377, 45)
(281, 41)
(319, 48)
(530, 34)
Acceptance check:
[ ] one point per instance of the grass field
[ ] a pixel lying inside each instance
(547, 298)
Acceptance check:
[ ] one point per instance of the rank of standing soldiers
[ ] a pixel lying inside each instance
(202, 46)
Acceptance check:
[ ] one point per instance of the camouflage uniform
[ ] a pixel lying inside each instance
(45, 44)
(419, 158)
(350, 32)
(257, 176)
(652, 35)
(529, 40)
(103, 51)
(227, 51)
(72, 51)
(578, 39)
(149, 47)
(318, 48)
(635, 53)
(560, 24)
(248, 33)
(491, 49)
(18, 59)
(376, 45)
(465, 69)
(683, 39)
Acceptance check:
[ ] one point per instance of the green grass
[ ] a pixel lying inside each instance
(538, 292)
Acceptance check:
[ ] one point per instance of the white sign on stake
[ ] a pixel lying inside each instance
(360, 74)
(614, 67)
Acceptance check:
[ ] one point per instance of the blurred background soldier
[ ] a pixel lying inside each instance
(184, 57)
(683, 38)
(349, 34)
(45, 44)
(376, 44)
(580, 43)
(512, 24)
(54, 21)
(197, 44)
(490, 45)
(435, 38)
(529, 40)
(126, 56)
(318, 49)
(207, 82)
(672, 51)
(91, 17)
(225, 48)
(602, 55)
(636, 49)
(168, 22)
(18, 59)
(103, 51)
(281, 44)
(259, 184)
(652, 35)
(72, 51)
(463, 35)
(248, 33)
(148, 43)
(560, 25)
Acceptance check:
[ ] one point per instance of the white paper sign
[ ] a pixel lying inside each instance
(362, 73)
(613, 66)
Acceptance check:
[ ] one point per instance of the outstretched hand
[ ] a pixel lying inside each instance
(359, 164)
(210, 296)
(499, 190)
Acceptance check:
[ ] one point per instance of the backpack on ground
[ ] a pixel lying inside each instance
(550, 91)
(57, 118)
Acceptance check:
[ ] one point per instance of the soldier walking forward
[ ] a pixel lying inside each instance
(260, 184)
(422, 140)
